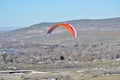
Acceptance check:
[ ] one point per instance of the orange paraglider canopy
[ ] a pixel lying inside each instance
(67, 26)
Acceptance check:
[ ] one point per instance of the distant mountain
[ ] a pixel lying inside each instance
(2, 31)
(87, 29)
(7, 29)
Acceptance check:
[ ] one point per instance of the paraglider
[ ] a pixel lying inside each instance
(61, 57)
(67, 26)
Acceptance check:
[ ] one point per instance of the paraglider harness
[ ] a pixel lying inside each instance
(62, 57)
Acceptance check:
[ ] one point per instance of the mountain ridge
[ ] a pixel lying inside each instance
(38, 32)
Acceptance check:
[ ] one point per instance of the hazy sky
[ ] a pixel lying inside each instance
(23, 13)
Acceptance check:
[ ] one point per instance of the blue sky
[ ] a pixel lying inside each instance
(23, 13)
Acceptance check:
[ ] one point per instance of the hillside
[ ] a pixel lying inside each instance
(95, 52)
(87, 30)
